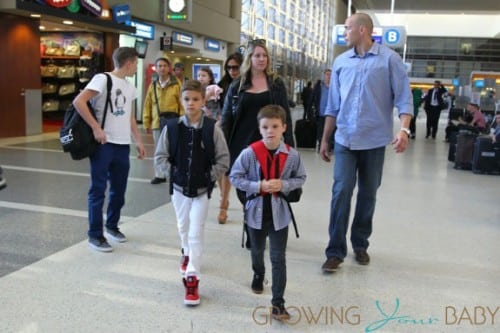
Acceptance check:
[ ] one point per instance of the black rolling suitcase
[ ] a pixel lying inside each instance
(453, 146)
(465, 149)
(305, 133)
(486, 157)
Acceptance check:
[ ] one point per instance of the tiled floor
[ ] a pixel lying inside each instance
(434, 254)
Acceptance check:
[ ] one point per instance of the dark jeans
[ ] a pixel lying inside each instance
(433, 114)
(110, 163)
(277, 244)
(365, 166)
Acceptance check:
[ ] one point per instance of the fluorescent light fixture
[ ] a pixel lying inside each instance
(35, 15)
(67, 22)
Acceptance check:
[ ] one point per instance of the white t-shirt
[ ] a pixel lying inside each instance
(117, 125)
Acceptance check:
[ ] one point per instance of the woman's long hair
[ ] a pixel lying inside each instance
(246, 66)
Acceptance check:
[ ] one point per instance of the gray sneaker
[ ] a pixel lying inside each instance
(116, 235)
(100, 244)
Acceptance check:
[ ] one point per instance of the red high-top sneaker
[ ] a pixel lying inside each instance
(191, 285)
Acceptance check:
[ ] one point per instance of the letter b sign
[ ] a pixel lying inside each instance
(394, 36)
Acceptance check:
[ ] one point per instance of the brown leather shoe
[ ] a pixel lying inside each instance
(331, 264)
(362, 257)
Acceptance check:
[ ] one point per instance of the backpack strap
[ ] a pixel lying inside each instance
(108, 98)
(156, 99)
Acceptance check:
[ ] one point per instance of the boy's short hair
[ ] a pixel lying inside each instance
(163, 59)
(179, 65)
(193, 85)
(122, 54)
(272, 111)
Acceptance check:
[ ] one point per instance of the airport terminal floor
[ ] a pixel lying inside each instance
(434, 253)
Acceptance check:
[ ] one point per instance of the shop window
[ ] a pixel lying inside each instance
(68, 62)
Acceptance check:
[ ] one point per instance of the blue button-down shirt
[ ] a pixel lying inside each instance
(363, 93)
(323, 100)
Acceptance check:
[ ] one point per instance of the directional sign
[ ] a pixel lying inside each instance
(394, 36)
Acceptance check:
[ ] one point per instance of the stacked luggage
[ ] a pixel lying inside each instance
(470, 151)
(486, 156)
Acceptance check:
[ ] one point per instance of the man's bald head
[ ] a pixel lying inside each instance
(362, 19)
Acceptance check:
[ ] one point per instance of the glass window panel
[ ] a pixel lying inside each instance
(270, 31)
(259, 27)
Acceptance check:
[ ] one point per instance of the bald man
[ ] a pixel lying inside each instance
(368, 81)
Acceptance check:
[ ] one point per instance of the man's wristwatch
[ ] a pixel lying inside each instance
(406, 130)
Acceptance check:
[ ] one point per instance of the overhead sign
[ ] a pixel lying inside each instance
(93, 6)
(212, 45)
(392, 36)
(142, 29)
(121, 13)
(58, 3)
(182, 38)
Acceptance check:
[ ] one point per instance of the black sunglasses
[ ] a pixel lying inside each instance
(256, 42)
(233, 68)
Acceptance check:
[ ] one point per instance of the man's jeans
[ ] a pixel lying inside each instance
(366, 166)
(277, 243)
(110, 162)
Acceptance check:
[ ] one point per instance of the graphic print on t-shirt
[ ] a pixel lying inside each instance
(120, 100)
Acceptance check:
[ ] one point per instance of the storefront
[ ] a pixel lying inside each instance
(53, 50)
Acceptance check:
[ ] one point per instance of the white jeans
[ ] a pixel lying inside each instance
(191, 214)
(156, 136)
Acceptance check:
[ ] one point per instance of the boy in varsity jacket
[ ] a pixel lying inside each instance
(193, 152)
(266, 211)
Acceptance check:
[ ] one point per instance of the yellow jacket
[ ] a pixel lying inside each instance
(169, 99)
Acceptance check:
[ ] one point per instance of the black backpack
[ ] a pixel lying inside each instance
(76, 136)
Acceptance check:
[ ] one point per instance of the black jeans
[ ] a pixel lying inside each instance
(277, 243)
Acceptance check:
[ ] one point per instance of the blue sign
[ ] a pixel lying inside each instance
(456, 82)
(143, 30)
(182, 38)
(339, 35)
(212, 45)
(392, 36)
(121, 13)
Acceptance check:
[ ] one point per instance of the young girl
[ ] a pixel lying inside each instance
(212, 93)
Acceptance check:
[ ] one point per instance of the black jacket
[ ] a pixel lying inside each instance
(439, 95)
(232, 108)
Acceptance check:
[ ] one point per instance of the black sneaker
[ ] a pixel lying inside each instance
(100, 244)
(258, 284)
(116, 235)
(157, 180)
(279, 312)
(3, 182)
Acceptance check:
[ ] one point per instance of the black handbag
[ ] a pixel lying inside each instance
(76, 136)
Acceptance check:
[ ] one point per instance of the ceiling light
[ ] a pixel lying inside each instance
(35, 15)
(172, 51)
(188, 57)
(68, 22)
(42, 27)
(198, 58)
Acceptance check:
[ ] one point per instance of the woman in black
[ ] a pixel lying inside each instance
(256, 87)
(231, 72)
